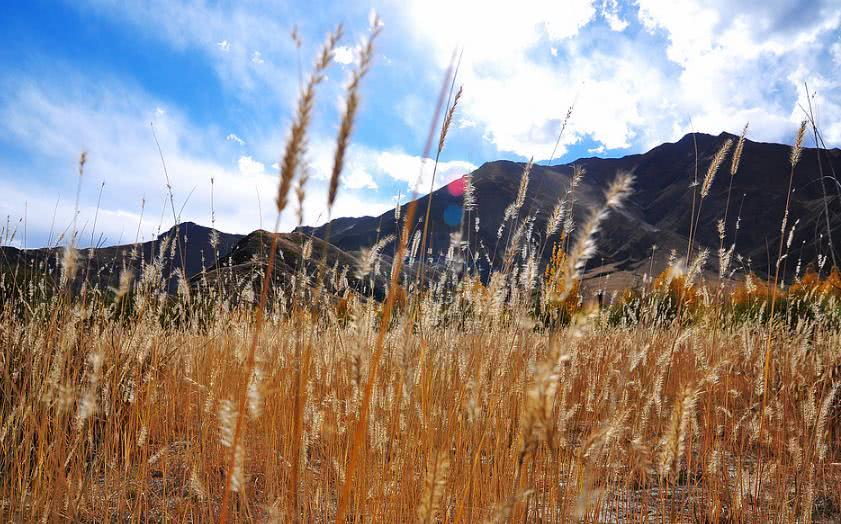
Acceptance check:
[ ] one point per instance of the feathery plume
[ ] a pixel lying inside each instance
(371, 256)
(196, 484)
(585, 246)
(618, 190)
(714, 166)
(301, 193)
(296, 145)
(469, 193)
(88, 405)
(397, 208)
(413, 253)
(433, 488)
(724, 258)
(556, 217)
(697, 265)
(514, 207)
(69, 263)
(737, 153)
(577, 175)
(797, 149)
(524, 185)
(351, 106)
(126, 277)
(255, 397)
(673, 443)
(569, 220)
(514, 245)
(449, 119)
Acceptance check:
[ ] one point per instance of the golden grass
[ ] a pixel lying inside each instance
(456, 400)
(104, 420)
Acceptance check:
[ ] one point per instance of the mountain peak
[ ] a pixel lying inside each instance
(657, 213)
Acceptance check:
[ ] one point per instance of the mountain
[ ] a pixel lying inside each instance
(251, 253)
(102, 266)
(657, 213)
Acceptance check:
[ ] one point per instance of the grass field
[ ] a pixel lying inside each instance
(509, 398)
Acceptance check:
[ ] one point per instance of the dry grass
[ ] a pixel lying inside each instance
(105, 419)
(453, 400)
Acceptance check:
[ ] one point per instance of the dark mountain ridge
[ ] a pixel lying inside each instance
(658, 211)
(102, 266)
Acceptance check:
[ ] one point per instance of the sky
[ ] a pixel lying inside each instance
(216, 84)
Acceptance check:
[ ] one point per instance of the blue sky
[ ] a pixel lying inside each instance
(219, 82)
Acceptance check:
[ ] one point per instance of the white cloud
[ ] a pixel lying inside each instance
(343, 55)
(111, 122)
(46, 222)
(520, 100)
(745, 61)
(742, 30)
(407, 168)
(234, 138)
(825, 91)
(250, 167)
(596, 150)
(413, 111)
(836, 52)
(359, 179)
(610, 12)
(365, 166)
(638, 73)
(497, 31)
(716, 64)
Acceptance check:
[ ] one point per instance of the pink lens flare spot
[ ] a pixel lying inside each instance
(456, 187)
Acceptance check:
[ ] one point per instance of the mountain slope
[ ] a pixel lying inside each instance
(102, 266)
(292, 262)
(657, 213)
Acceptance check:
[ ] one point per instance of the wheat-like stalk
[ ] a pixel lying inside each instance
(521, 191)
(445, 126)
(794, 158)
(291, 162)
(434, 485)
(717, 160)
(366, 55)
(469, 198)
(361, 428)
(301, 193)
(797, 148)
(737, 153)
(585, 245)
(734, 168)
(296, 144)
(448, 120)
(371, 256)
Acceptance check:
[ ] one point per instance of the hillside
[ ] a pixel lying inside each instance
(102, 266)
(658, 212)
